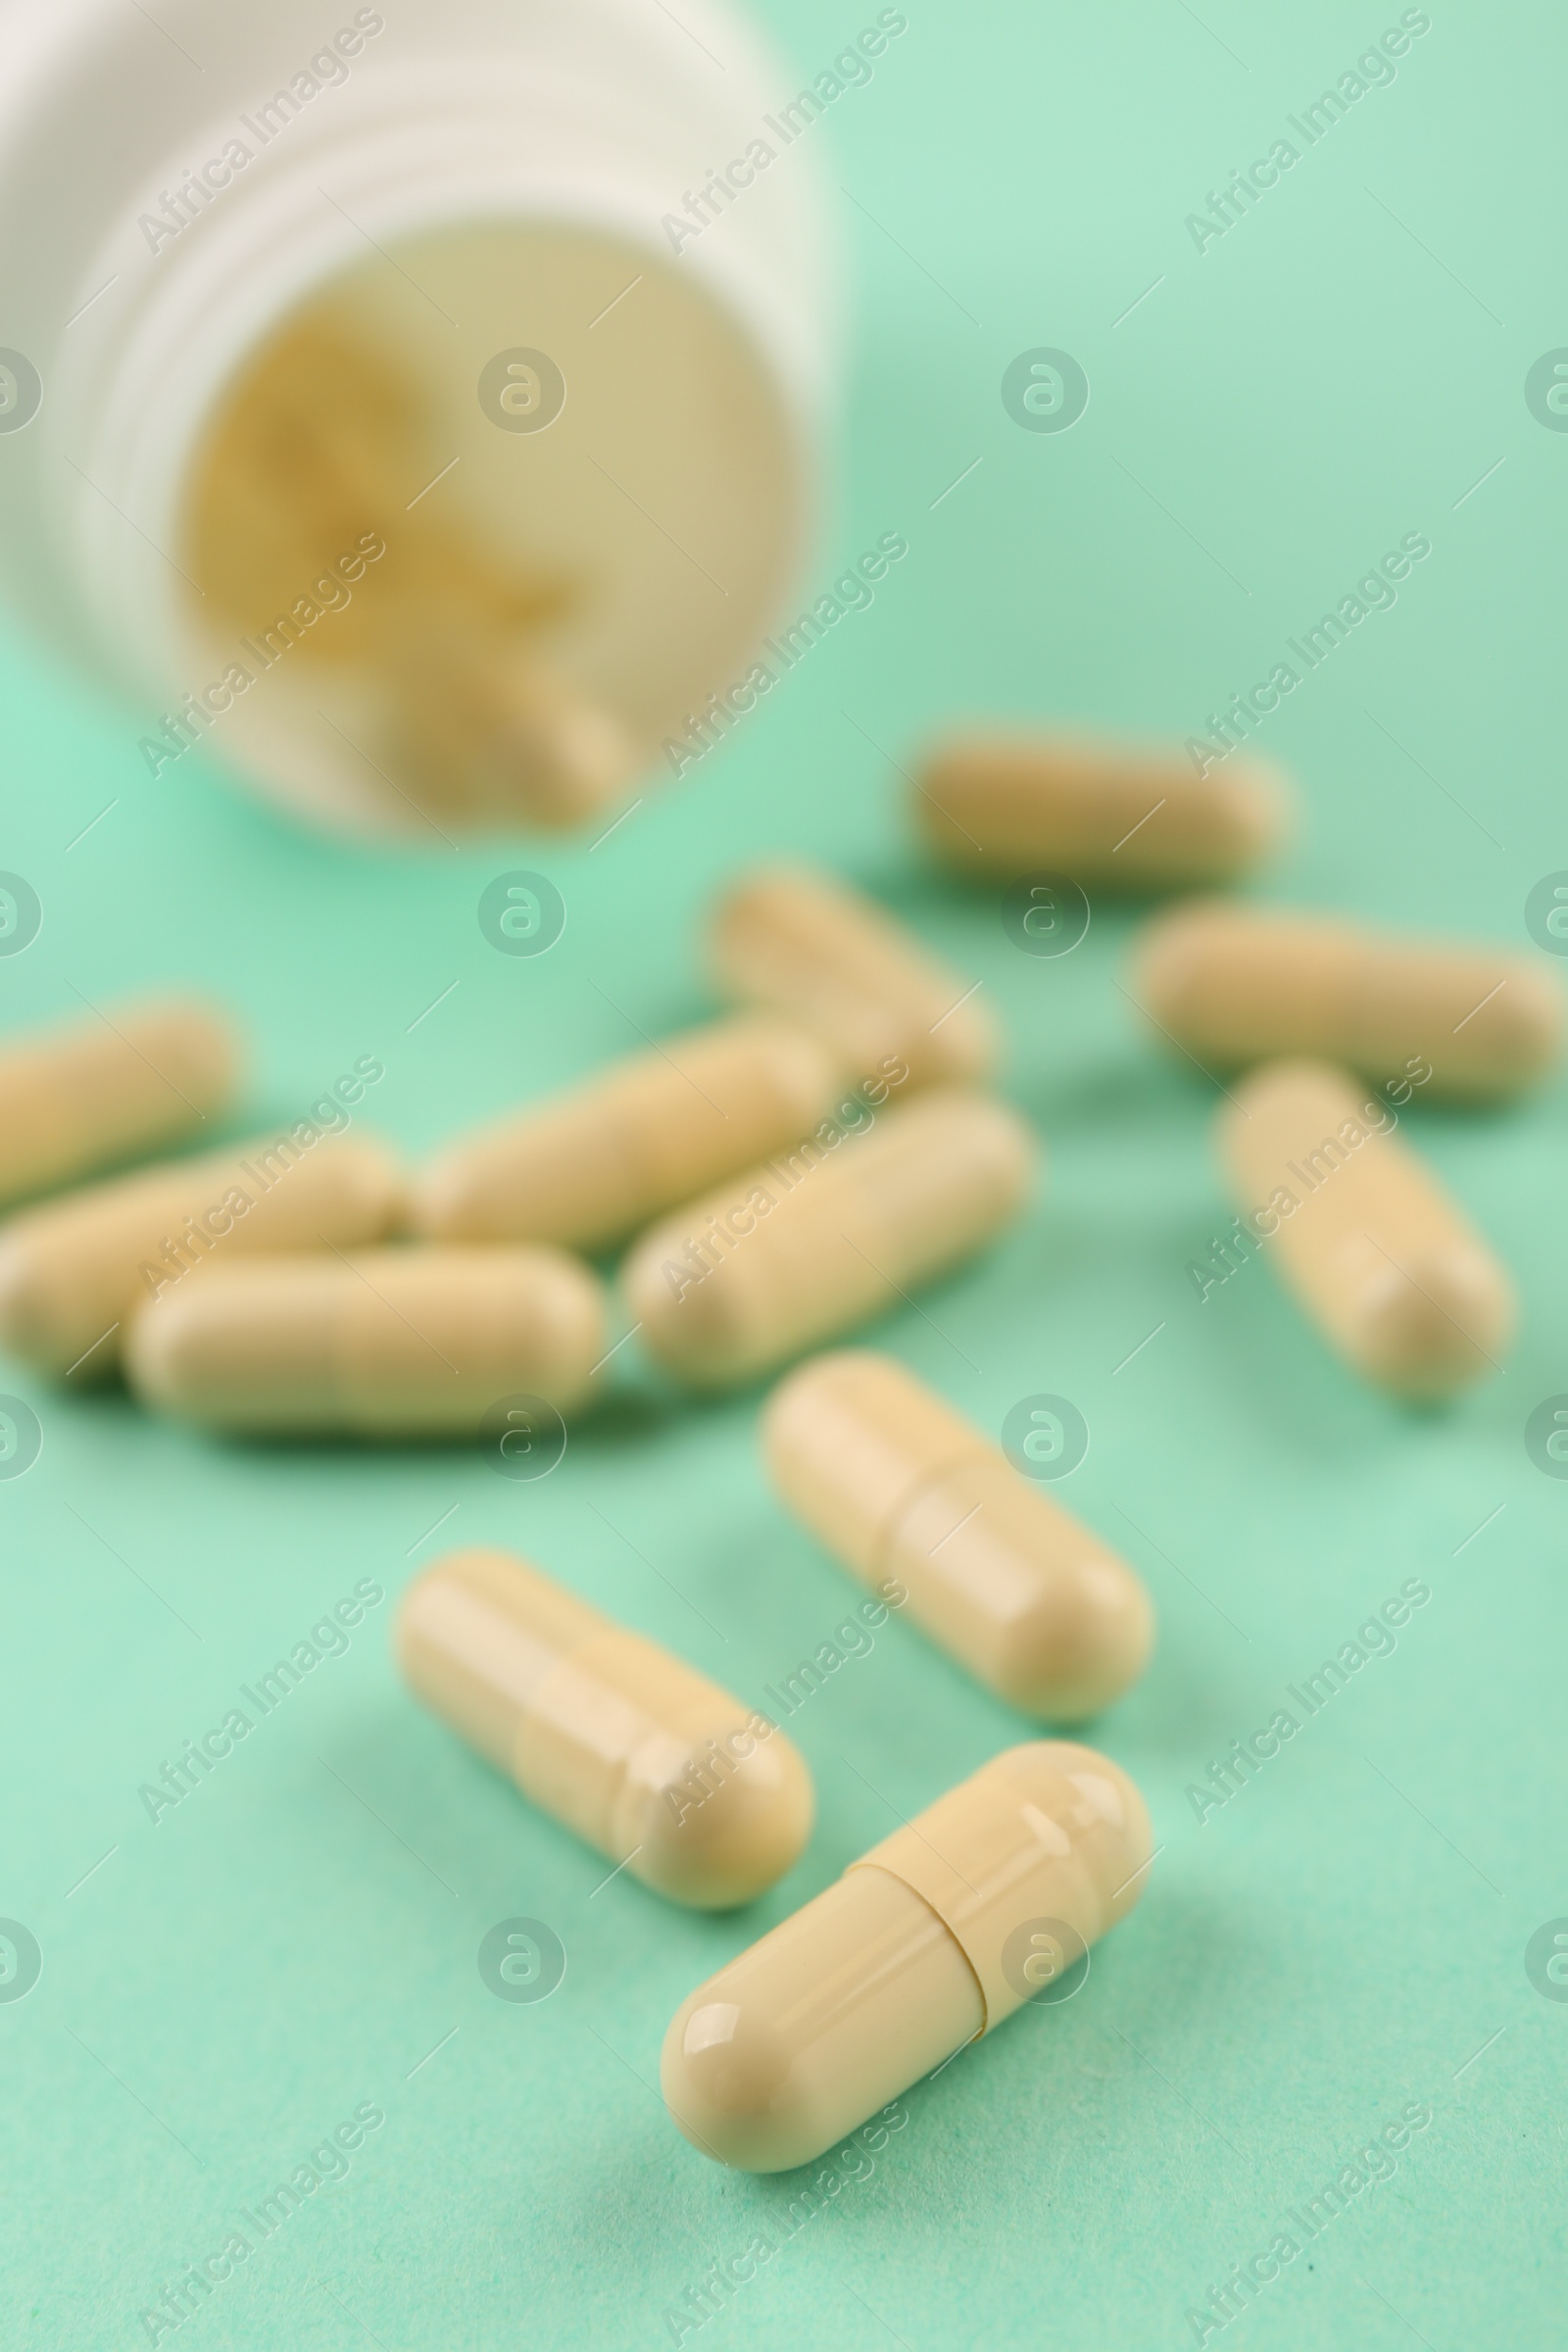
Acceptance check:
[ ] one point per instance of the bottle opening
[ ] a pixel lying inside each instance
(480, 523)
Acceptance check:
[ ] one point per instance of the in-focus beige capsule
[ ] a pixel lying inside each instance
(643, 1757)
(72, 1271)
(78, 1098)
(591, 1166)
(1123, 816)
(936, 1935)
(800, 943)
(1364, 1235)
(1239, 984)
(813, 1242)
(898, 1485)
(383, 1343)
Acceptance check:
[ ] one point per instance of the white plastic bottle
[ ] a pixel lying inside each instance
(362, 414)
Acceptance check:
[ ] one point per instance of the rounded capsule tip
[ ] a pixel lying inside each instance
(1112, 1837)
(1257, 813)
(724, 1830)
(726, 2074)
(1085, 1642)
(1436, 1324)
(18, 1303)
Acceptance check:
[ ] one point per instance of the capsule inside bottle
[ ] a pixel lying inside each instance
(644, 1758)
(936, 1935)
(427, 577)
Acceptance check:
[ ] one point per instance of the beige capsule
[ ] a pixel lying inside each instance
(817, 1240)
(1233, 985)
(800, 943)
(936, 1935)
(899, 1486)
(1123, 816)
(1373, 1248)
(592, 1164)
(483, 730)
(380, 1343)
(643, 1757)
(78, 1098)
(72, 1271)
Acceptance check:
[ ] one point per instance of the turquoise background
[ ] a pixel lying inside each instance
(1347, 1933)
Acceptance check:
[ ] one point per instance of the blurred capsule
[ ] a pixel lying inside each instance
(1123, 816)
(1377, 1254)
(820, 1239)
(482, 729)
(802, 944)
(78, 1098)
(385, 1343)
(72, 1271)
(1233, 985)
(588, 1167)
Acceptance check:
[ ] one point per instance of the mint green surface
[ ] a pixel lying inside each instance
(1345, 1935)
